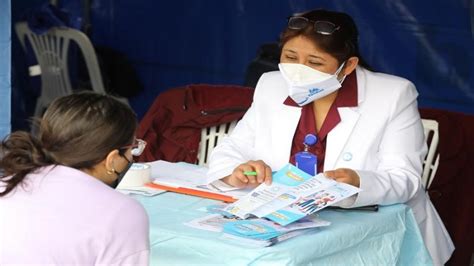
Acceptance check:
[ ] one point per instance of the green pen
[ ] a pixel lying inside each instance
(250, 173)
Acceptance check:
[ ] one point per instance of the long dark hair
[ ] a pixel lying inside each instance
(342, 44)
(78, 131)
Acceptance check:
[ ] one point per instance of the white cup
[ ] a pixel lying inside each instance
(137, 176)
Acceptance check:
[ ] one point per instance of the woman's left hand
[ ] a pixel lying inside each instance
(344, 175)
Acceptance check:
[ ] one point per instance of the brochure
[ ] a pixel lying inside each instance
(211, 222)
(263, 233)
(310, 204)
(262, 229)
(257, 232)
(282, 181)
(292, 195)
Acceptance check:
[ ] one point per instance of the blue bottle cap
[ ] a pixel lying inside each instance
(310, 140)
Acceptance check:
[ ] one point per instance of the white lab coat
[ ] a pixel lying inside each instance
(381, 138)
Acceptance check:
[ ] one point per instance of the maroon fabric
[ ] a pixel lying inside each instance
(451, 190)
(346, 97)
(172, 126)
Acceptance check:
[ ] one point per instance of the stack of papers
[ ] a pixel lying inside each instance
(292, 195)
(257, 232)
(189, 179)
(264, 233)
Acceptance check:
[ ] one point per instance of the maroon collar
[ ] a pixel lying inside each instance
(346, 97)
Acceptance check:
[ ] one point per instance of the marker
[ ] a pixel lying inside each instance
(250, 173)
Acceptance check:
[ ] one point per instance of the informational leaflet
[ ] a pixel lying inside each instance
(255, 232)
(264, 230)
(250, 228)
(292, 195)
(307, 188)
(211, 222)
(282, 181)
(312, 203)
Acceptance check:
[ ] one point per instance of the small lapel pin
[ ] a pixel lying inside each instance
(347, 156)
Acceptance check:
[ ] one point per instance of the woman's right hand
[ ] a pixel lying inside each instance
(240, 180)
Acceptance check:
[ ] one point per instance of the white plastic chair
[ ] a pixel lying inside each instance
(431, 162)
(210, 137)
(51, 50)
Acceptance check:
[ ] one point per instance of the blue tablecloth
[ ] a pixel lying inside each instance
(387, 237)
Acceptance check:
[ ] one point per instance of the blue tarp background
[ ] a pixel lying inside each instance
(172, 43)
(5, 67)
(179, 42)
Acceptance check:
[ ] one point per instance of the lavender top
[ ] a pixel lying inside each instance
(60, 215)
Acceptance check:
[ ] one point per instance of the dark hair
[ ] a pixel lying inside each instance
(77, 130)
(342, 44)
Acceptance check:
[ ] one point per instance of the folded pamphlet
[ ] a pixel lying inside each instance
(255, 232)
(292, 195)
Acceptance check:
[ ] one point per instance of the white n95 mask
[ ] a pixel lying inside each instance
(307, 84)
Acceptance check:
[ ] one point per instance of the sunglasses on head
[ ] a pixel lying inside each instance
(320, 26)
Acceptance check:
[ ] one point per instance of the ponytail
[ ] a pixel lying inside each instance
(68, 129)
(22, 153)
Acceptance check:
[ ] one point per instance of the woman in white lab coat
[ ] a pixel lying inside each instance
(368, 126)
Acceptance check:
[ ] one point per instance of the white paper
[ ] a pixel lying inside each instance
(179, 174)
(186, 175)
(220, 186)
(144, 191)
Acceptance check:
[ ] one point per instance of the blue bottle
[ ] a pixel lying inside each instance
(305, 160)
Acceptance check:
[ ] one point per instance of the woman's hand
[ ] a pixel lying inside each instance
(344, 175)
(240, 180)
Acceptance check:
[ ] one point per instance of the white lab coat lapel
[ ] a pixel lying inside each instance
(283, 129)
(338, 137)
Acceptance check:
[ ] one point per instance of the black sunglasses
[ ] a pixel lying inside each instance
(321, 27)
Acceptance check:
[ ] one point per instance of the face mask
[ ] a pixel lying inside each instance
(121, 174)
(307, 84)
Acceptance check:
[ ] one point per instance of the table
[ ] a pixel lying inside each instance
(387, 237)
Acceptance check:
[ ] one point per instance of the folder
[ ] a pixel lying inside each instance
(194, 192)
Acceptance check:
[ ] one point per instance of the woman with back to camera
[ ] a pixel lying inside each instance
(56, 201)
(368, 126)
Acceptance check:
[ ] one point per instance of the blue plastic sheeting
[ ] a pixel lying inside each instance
(387, 237)
(5, 66)
(179, 42)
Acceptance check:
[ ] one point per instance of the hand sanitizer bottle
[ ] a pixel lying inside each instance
(305, 160)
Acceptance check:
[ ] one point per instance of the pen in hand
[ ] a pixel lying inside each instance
(251, 179)
(250, 173)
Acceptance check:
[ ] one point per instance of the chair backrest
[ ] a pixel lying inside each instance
(51, 51)
(431, 162)
(210, 137)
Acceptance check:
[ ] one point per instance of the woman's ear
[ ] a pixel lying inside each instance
(109, 160)
(350, 65)
(105, 169)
